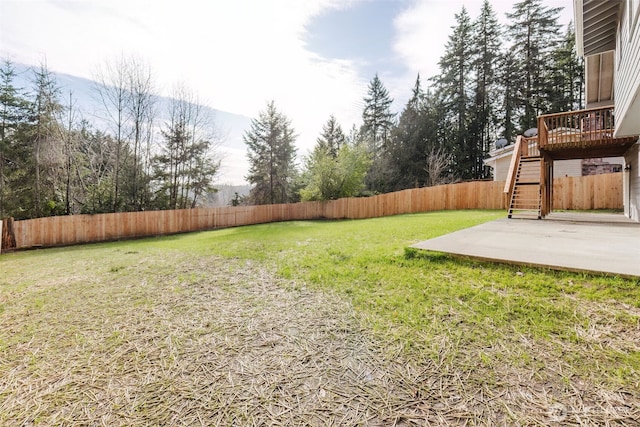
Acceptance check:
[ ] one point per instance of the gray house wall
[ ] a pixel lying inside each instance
(631, 184)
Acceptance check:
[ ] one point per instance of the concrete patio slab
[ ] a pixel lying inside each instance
(597, 243)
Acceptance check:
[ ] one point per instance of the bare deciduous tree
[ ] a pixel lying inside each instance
(112, 88)
(438, 163)
(126, 90)
(142, 112)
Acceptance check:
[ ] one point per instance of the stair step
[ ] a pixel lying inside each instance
(526, 198)
(521, 216)
(526, 191)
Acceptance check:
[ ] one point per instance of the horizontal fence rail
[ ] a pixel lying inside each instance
(594, 192)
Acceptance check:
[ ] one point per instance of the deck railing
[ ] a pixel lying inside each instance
(576, 129)
(524, 147)
(531, 147)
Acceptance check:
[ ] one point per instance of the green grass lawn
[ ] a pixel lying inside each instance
(492, 324)
(423, 300)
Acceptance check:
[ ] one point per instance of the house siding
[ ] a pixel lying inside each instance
(567, 168)
(501, 169)
(631, 184)
(627, 81)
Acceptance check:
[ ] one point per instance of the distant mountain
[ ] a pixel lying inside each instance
(230, 126)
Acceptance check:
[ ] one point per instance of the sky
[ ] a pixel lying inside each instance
(313, 58)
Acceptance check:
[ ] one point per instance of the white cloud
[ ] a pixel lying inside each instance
(422, 31)
(237, 55)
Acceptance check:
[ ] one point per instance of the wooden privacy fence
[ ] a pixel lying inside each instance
(600, 191)
(588, 192)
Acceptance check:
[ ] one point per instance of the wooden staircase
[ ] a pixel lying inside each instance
(526, 197)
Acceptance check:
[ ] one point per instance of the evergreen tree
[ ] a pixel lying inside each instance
(271, 153)
(187, 166)
(377, 118)
(410, 139)
(566, 92)
(15, 155)
(47, 149)
(377, 122)
(534, 32)
(331, 138)
(453, 89)
(482, 128)
(510, 109)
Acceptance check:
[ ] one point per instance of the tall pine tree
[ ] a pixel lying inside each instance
(271, 152)
(47, 148)
(534, 32)
(510, 110)
(331, 138)
(453, 88)
(487, 42)
(409, 141)
(377, 122)
(377, 118)
(566, 91)
(15, 156)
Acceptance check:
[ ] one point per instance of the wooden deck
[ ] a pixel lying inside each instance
(581, 135)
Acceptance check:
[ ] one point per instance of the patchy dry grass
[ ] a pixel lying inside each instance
(207, 341)
(313, 323)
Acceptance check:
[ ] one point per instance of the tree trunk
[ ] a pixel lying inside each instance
(8, 235)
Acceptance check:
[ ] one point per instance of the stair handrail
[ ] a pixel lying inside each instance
(513, 166)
